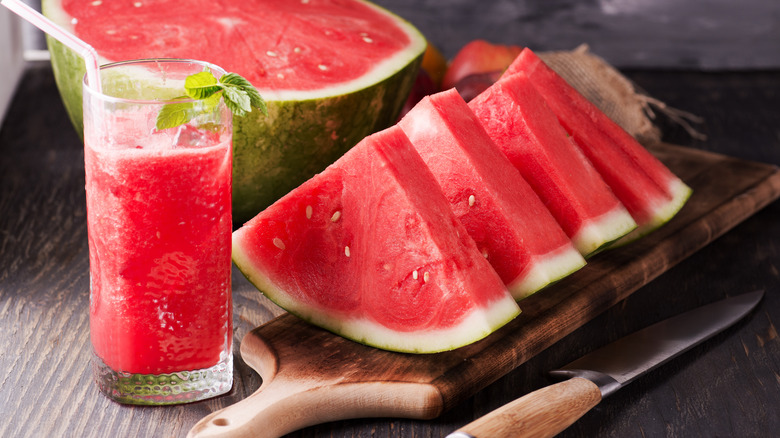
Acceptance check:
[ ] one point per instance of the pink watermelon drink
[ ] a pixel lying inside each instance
(159, 221)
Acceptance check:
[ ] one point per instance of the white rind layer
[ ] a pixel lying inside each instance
(680, 193)
(550, 269)
(664, 212)
(477, 325)
(601, 231)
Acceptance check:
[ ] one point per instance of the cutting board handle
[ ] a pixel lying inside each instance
(279, 407)
(293, 395)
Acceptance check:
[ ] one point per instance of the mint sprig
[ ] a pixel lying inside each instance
(240, 97)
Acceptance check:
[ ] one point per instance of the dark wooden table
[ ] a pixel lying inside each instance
(729, 386)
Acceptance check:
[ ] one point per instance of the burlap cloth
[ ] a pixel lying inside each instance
(618, 97)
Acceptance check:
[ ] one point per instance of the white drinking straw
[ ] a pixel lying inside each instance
(57, 32)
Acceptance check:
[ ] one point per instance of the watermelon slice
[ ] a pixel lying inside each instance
(517, 118)
(370, 250)
(332, 72)
(501, 212)
(648, 189)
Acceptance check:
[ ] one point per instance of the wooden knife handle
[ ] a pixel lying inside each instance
(542, 413)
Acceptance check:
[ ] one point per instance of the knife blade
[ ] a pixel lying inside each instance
(548, 411)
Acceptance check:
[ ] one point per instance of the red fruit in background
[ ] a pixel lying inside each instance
(479, 56)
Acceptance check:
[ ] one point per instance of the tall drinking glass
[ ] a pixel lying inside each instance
(159, 224)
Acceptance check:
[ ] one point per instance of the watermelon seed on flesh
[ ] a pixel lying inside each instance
(370, 249)
(505, 217)
(331, 72)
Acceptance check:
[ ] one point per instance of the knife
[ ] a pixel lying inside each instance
(548, 411)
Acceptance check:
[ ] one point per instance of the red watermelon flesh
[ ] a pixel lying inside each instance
(526, 130)
(501, 212)
(370, 249)
(285, 45)
(648, 189)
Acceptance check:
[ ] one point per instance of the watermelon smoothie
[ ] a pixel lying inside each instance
(159, 224)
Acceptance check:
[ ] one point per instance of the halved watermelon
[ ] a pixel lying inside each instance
(501, 212)
(525, 129)
(370, 250)
(648, 189)
(332, 71)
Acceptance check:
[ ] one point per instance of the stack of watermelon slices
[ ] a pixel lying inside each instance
(517, 118)
(647, 188)
(424, 236)
(371, 250)
(501, 212)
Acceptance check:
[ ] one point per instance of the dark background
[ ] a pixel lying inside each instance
(701, 34)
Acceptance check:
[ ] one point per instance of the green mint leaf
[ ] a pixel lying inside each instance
(174, 114)
(234, 79)
(255, 99)
(237, 100)
(201, 85)
(239, 95)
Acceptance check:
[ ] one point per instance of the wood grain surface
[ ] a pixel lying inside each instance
(726, 387)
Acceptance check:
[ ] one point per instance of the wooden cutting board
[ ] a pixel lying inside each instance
(311, 376)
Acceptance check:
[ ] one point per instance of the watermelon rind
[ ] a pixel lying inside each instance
(545, 272)
(680, 192)
(598, 234)
(477, 325)
(304, 132)
(68, 68)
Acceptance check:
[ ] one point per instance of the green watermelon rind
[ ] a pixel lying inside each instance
(69, 70)
(662, 214)
(304, 131)
(474, 327)
(300, 138)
